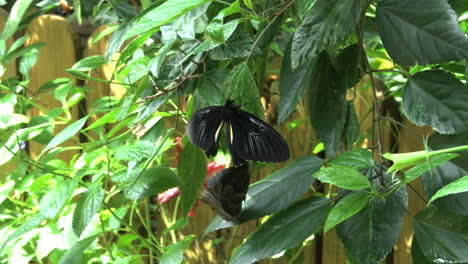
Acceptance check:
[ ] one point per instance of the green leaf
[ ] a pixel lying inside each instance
(65, 134)
(16, 14)
(426, 41)
(284, 230)
(215, 30)
(192, 172)
(430, 163)
(357, 159)
(370, 235)
(351, 129)
(352, 65)
(275, 192)
(29, 225)
(437, 99)
(151, 182)
(54, 200)
(458, 186)
(174, 253)
(118, 38)
(326, 23)
(343, 177)
(327, 104)
(417, 255)
(156, 62)
(442, 236)
(89, 63)
(75, 253)
(135, 152)
(293, 84)
(302, 7)
(54, 84)
(239, 45)
(13, 144)
(241, 87)
(87, 207)
(438, 142)
(350, 205)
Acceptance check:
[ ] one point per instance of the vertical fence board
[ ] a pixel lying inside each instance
(411, 139)
(54, 58)
(10, 72)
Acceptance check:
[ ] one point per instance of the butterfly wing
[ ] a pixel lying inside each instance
(204, 127)
(253, 139)
(226, 191)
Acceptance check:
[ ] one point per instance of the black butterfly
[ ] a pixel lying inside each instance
(248, 137)
(226, 190)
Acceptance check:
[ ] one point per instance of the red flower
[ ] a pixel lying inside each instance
(167, 195)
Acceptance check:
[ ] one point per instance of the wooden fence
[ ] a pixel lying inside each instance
(65, 47)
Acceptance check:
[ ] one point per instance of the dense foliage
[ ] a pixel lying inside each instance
(176, 56)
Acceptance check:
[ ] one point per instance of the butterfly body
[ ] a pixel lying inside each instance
(248, 137)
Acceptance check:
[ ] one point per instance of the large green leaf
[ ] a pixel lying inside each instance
(87, 207)
(239, 45)
(421, 31)
(66, 133)
(75, 253)
(16, 14)
(327, 104)
(192, 173)
(438, 141)
(152, 181)
(54, 200)
(348, 206)
(343, 177)
(241, 87)
(458, 186)
(284, 230)
(437, 99)
(352, 128)
(357, 159)
(417, 255)
(442, 236)
(89, 63)
(292, 84)
(135, 152)
(440, 176)
(371, 234)
(276, 192)
(326, 23)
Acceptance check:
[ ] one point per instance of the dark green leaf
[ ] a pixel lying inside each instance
(66, 133)
(442, 236)
(351, 129)
(241, 87)
(328, 105)
(303, 6)
(192, 173)
(440, 176)
(211, 88)
(417, 255)
(89, 63)
(343, 177)
(75, 253)
(437, 99)
(154, 105)
(276, 192)
(151, 182)
(438, 141)
(371, 234)
(239, 45)
(351, 65)
(155, 64)
(429, 35)
(348, 206)
(293, 84)
(284, 230)
(54, 200)
(123, 8)
(87, 207)
(326, 23)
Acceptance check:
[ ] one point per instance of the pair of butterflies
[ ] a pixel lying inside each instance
(248, 138)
